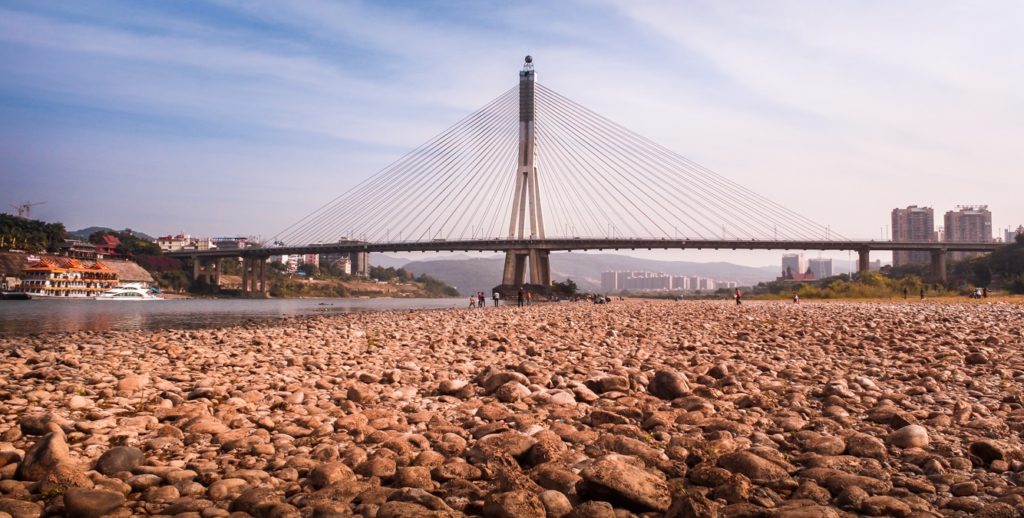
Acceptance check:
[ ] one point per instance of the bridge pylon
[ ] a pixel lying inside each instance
(526, 207)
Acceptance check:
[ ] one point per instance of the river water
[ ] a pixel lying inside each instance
(20, 317)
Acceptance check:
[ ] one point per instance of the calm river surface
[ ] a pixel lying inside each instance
(18, 317)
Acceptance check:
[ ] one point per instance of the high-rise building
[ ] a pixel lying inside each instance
(820, 267)
(969, 224)
(609, 281)
(681, 283)
(912, 224)
(1011, 235)
(793, 264)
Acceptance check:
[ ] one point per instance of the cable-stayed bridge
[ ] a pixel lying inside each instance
(533, 172)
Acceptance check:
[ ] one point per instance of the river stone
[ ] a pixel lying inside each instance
(20, 508)
(668, 385)
(611, 476)
(514, 504)
(118, 459)
(988, 450)
(331, 473)
(50, 459)
(91, 503)
(692, 505)
(759, 470)
(556, 504)
(910, 436)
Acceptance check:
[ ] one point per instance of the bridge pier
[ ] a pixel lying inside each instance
(863, 260)
(939, 265)
(207, 269)
(254, 276)
(360, 263)
(515, 270)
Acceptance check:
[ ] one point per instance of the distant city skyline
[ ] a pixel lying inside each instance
(237, 119)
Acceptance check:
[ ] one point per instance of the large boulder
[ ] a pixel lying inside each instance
(668, 385)
(118, 459)
(20, 508)
(758, 469)
(49, 460)
(91, 503)
(514, 504)
(611, 477)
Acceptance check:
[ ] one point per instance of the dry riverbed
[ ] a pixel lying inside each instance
(631, 409)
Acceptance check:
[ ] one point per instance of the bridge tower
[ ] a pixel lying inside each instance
(526, 208)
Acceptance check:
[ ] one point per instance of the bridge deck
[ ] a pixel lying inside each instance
(502, 245)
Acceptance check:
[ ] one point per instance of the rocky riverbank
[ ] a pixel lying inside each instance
(635, 408)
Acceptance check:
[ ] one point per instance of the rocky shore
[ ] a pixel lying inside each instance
(564, 410)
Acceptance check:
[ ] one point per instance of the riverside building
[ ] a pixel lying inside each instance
(912, 224)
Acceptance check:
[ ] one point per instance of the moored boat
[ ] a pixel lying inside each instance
(129, 291)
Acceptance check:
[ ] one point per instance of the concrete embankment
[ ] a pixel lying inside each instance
(633, 408)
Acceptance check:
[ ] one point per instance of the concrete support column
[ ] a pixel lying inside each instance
(196, 267)
(540, 269)
(245, 276)
(939, 265)
(263, 277)
(863, 261)
(360, 264)
(516, 267)
(254, 278)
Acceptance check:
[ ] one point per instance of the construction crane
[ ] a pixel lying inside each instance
(25, 209)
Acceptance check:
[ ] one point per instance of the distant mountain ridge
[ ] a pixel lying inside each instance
(84, 233)
(482, 274)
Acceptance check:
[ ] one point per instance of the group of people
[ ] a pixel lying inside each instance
(523, 297)
(479, 301)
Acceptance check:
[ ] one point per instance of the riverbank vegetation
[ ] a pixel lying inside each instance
(30, 235)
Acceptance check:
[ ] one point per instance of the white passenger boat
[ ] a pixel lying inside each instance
(129, 291)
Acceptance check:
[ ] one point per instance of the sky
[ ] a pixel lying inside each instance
(229, 117)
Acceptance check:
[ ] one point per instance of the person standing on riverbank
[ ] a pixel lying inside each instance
(496, 296)
(529, 298)
(519, 297)
(480, 301)
(739, 296)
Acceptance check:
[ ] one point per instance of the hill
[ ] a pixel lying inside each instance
(84, 233)
(472, 275)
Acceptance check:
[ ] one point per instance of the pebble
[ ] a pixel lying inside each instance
(635, 408)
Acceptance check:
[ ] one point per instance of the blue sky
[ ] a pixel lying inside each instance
(238, 117)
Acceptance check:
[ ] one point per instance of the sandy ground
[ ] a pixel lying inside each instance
(635, 408)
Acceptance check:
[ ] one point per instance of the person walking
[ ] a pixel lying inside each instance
(739, 296)
(922, 292)
(905, 291)
(520, 296)
(480, 300)
(472, 302)
(529, 298)
(496, 296)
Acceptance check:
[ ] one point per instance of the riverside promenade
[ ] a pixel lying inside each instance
(636, 408)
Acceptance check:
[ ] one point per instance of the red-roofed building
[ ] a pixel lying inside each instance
(108, 247)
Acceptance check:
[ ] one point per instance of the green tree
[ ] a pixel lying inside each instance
(565, 289)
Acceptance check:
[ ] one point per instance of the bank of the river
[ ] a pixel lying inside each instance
(633, 408)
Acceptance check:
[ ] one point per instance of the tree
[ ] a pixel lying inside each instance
(30, 234)
(565, 289)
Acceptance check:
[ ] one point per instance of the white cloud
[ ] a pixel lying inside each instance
(839, 110)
